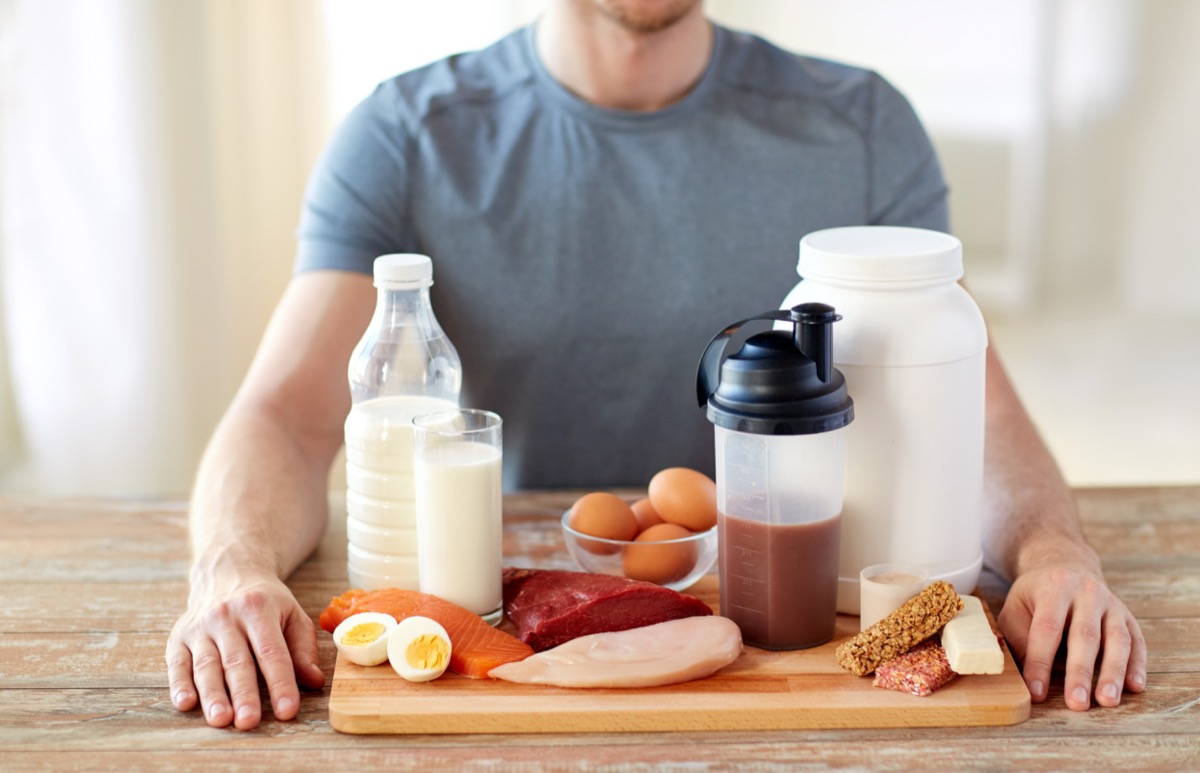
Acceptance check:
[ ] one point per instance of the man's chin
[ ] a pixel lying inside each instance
(646, 17)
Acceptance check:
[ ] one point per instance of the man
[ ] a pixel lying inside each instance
(600, 195)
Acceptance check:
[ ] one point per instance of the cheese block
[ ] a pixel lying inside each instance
(971, 645)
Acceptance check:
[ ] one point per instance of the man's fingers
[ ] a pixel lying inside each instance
(210, 682)
(1014, 622)
(179, 676)
(301, 636)
(1135, 674)
(1123, 663)
(1118, 643)
(1055, 609)
(1045, 634)
(239, 672)
(1083, 642)
(215, 654)
(241, 676)
(274, 660)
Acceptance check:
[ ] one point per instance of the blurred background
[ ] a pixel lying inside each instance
(153, 155)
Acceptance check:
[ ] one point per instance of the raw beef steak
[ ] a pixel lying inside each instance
(550, 607)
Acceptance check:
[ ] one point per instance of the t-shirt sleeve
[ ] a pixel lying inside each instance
(907, 187)
(356, 203)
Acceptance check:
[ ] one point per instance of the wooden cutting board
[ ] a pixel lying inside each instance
(762, 690)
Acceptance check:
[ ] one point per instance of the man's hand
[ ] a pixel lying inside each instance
(1046, 606)
(225, 637)
(259, 508)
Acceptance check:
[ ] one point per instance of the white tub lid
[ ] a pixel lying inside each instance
(880, 254)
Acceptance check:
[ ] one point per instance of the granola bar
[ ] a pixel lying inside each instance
(915, 621)
(919, 671)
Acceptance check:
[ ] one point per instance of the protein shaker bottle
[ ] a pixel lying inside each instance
(779, 411)
(912, 349)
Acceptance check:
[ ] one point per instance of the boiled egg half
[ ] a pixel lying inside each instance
(419, 649)
(363, 638)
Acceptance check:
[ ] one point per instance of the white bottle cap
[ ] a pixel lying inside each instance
(407, 271)
(880, 253)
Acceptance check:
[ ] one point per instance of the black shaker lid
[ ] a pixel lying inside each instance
(779, 382)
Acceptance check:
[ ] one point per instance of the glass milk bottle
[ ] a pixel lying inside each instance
(780, 412)
(912, 347)
(404, 366)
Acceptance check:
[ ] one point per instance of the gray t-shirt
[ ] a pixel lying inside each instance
(583, 257)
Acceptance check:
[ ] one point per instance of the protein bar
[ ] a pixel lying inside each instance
(915, 621)
(919, 671)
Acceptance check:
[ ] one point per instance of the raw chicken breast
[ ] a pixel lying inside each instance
(663, 653)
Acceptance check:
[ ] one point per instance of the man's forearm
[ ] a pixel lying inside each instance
(1031, 520)
(259, 502)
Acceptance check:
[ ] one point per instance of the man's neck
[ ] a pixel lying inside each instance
(612, 66)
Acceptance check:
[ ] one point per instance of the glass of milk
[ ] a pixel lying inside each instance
(457, 458)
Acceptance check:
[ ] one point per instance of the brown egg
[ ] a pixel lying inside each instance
(646, 515)
(685, 497)
(648, 559)
(603, 515)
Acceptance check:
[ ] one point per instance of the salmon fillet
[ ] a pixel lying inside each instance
(475, 646)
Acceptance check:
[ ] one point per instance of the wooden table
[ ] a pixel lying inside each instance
(91, 588)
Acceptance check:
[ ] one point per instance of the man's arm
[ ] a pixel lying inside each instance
(1034, 536)
(259, 507)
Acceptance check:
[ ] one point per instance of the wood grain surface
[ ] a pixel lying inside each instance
(91, 588)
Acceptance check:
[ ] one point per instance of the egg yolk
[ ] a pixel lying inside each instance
(427, 651)
(363, 634)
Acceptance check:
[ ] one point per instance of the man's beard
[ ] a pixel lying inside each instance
(645, 17)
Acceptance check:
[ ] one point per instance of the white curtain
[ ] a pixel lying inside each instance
(151, 168)
(153, 155)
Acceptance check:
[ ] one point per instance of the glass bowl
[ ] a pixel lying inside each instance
(676, 564)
